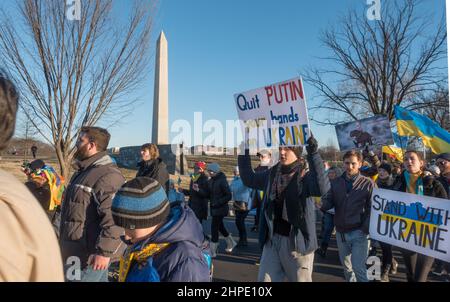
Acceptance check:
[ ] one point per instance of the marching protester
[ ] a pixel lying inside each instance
(350, 195)
(29, 248)
(241, 196)
(443, 162)
(265, 161)
(45, 184)
(87, 228)
(153, 166)
(386, 181)
(164, 243)
(287, 232)
(413, 181)
(328, 218)
(198, 188)
(34, 149)
(219, 194)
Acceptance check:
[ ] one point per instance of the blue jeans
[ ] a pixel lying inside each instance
(353, 251)
(327, 228)
(89, 275)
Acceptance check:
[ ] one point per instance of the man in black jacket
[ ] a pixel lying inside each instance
(350, 195)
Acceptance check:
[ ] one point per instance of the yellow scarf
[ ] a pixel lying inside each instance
(413, 178)
(140, 256)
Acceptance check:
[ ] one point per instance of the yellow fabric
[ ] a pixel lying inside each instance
(127, 259)
(413, 178)
(436, 144)
(396, 152)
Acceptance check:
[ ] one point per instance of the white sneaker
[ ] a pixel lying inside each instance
(213, 248)
(230, 244)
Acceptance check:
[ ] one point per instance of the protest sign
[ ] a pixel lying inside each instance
(413, 222)
(275, 115)
(373, 131)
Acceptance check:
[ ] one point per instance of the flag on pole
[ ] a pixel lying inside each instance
(410, 123)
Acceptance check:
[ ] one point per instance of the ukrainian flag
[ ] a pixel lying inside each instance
(410, 123)
(393, 151)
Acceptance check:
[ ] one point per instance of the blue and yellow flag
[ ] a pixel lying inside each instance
(410, 123)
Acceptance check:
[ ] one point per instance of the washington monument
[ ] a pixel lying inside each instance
(160, 128)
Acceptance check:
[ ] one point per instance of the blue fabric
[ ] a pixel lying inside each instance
(428, 127)
(175, 196)
(239, 190)
(141, 204)
(186, 257)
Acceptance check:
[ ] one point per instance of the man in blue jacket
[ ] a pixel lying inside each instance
(165, 244)
(287, 232)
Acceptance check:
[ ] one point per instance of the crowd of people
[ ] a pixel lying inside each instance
(155, 231)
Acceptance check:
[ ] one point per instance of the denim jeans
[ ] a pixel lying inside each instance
(89, 275)
(279, 263)
(353, 251)
(327, 228)
(240, 224)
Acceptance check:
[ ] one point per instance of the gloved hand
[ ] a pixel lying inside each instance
(312, 145)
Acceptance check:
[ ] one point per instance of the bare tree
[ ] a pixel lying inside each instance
(379, 64)
(28, 134)
(435, 105)
(75, 73)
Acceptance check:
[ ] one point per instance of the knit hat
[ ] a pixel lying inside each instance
(214, 167)
(387, 167)
(140, 203)
(201, 165)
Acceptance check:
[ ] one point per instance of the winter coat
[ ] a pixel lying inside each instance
(155, 169)
(443, 180)
(431, 186)
(239, 191)
(198, 201)
(28, 246)
(219, 195)
(186, 258)
(352, 210)
(87, 226)
(314, 183)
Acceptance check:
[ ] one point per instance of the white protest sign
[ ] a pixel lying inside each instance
(276, 115)
(413, 222)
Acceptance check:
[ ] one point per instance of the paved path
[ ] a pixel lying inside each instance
(241, 265)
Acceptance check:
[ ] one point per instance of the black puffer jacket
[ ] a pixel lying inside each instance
(198, 201)
(431, 186)
(219, 194)
(155, 169)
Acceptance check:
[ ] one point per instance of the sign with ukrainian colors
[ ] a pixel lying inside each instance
(413, 222)
(275, 115)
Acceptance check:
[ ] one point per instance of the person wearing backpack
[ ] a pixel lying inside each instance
(165, 244)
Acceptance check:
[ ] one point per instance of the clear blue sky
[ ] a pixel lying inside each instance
(219, 48)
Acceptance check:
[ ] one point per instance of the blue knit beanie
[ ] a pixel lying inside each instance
(140, 203)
